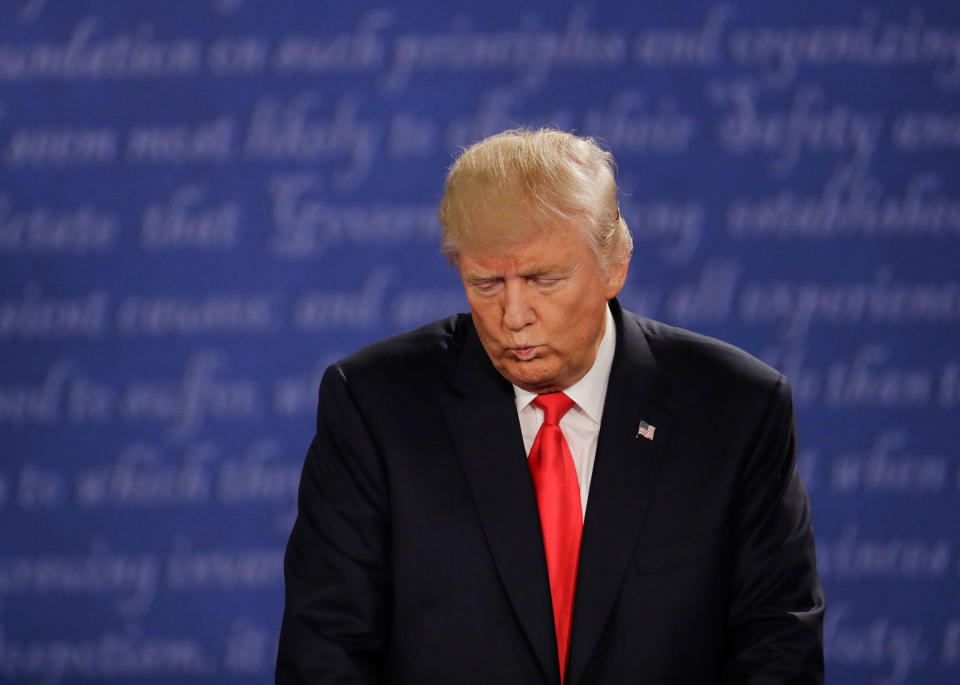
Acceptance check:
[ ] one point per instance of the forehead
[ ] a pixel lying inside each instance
(539, 250)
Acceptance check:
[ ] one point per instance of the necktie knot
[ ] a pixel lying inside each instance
(554, 406)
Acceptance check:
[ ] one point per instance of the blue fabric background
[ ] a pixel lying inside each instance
(202, 204)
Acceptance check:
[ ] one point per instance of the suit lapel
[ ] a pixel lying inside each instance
(483, 422)
(624, 476)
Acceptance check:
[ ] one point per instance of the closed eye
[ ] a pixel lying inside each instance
(486, 287)
(546, 282)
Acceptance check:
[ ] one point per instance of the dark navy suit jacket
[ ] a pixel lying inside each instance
(417, 555)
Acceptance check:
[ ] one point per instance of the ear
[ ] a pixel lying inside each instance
(614, 279)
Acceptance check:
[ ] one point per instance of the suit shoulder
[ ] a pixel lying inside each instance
(418, 353)
(699, 359)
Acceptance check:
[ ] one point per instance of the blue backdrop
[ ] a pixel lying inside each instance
(204, 203)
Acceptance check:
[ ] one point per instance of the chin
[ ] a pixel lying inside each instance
(537, 380)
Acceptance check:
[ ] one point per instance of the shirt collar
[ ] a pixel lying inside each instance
(590, 391)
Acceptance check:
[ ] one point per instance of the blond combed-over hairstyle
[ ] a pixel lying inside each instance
(561, 177)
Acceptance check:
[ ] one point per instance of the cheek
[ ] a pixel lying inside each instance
(581, 322)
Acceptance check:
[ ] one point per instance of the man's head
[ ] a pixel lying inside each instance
(530, 219)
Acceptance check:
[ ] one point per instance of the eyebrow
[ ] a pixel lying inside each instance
(546, 270)
(553, 270)
(479, 278)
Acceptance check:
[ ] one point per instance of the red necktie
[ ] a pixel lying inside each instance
(561, 519)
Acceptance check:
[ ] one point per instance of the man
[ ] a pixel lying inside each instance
(550, 489)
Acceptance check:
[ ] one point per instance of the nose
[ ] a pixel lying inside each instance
(517, 312)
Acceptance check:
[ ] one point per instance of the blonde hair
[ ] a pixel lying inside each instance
(558, 175)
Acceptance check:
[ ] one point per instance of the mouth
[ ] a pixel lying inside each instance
(524, 352)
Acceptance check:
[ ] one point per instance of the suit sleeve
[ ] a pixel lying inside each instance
(336, 565)
(776, 613)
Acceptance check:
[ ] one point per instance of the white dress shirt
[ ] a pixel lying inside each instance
(580, 425)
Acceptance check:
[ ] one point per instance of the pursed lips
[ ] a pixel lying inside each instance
(524, 352)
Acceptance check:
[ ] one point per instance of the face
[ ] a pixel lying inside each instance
(539, 304)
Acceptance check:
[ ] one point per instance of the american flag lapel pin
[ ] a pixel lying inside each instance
(645, 430)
